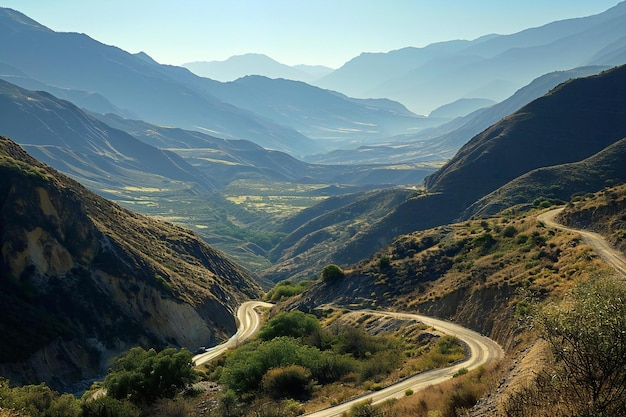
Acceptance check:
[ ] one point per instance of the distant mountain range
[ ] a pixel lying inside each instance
(239, 66)
(491, 67)
(136, 86)
(443, 141)
(60, 134)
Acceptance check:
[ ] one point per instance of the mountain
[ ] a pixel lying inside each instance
(83, 279)
(255, 64)
(560, 182)
(443, 141)
(461, 107)
(259, 109)
(332, 119)
(134, 83)
(491, 67)
(573, 122)
(60, 134)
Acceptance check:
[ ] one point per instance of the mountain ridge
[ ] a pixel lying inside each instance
(83, 279)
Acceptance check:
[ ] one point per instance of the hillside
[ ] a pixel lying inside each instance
(487, 275)
(315, 234)
(83, 279)
(586, 112)
(561, 182)
(60, 134)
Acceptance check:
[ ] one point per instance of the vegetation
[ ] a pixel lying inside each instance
(293, 324)
(133, 387)
(143, 376)
(295, 358)
(332, 273)
(587, 375)
(286, 289)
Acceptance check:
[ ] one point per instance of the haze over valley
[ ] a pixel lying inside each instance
(143, 203)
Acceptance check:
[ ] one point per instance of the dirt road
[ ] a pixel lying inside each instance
(595, 240)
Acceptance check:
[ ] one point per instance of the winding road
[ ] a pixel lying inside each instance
(482, 349)
(595, 240)
(249, 323)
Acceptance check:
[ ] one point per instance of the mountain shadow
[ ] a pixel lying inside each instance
(83, 279)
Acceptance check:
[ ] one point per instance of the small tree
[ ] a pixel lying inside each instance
(332, 273)
(294, 324)
(142, 376)
(587, 336)
(292, 381)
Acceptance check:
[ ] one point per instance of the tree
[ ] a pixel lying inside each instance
(294, 324)
(293, 381)
(142, 376)
(332, 273)
(587, 336)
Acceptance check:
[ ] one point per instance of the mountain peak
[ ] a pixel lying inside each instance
(16, 21)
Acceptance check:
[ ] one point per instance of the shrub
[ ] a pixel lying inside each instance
(509, 231)
(292, 381)
(142, 376)
(384, 261)
(109, 407)
(332, 273)
(588, 341)
(294, 324)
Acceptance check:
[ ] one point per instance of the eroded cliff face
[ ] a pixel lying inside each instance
(82, 279)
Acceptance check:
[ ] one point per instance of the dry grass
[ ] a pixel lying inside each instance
(443, 398)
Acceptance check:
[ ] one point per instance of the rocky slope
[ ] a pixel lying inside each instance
(83, 279)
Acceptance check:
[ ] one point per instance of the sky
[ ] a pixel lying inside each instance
(312, 32)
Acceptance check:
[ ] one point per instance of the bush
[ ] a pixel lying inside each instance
(332, 273)
(384, 261)
(294, 324)
(37, 401)
(292, 381)
(109, 407)
(143, 376)
(509, 231)
(588, 341)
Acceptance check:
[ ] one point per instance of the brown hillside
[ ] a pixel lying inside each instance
(82, 278)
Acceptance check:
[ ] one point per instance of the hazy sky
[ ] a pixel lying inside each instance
(325, 32)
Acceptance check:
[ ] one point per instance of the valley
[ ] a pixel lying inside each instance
(424, 231)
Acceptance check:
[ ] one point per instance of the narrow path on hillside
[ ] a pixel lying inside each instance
(595, 240)
(482, 350)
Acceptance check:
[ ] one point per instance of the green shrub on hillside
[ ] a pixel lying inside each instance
(286, 289)
(332, 273)
(294, 324)
(142, 376)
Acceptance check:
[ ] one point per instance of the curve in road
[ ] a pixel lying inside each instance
(249, 323)
(482, 351)
(595, 240)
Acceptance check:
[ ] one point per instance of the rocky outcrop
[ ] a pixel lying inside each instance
(82, 279)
